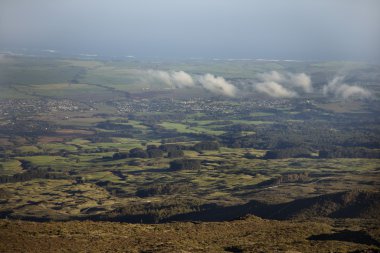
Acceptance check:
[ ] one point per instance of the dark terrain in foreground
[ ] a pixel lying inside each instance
(250, 234)
(341, 222)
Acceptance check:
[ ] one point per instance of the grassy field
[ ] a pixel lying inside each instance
(182, 128)
(226, 178)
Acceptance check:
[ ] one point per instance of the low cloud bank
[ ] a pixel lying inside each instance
(274, 84)
(339, 89)
(283, 85)
(180, 79)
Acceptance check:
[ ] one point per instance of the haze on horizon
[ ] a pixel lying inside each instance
(270, 29)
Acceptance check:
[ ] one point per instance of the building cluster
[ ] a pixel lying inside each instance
(19, 107)
(196, 105)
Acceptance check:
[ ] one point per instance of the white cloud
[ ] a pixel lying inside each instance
(274, 89)
(218, 85)
(340, 89)
(182, 79)
(175, 79)
(302, 81)
(272, 76)
(286, 85)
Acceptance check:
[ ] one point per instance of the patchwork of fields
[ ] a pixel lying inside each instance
(99, 140)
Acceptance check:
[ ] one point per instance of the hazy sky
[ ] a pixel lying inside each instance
(285, 29)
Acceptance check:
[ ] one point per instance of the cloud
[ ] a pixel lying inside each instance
(3, 58)
(272, 76)
(52, 51)
(302, 81)
(274, 89)
(174, 79)
(180, 79)
(284, 85)
(217, 85)
(157, 76)
(338, 88)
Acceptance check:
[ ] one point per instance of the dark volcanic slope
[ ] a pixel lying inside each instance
(352, 204)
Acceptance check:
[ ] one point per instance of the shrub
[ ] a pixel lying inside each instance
(185, 164)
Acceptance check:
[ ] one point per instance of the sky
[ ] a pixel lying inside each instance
(269, 29)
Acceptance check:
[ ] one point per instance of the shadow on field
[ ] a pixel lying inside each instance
(134, 172)
(347, 236)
